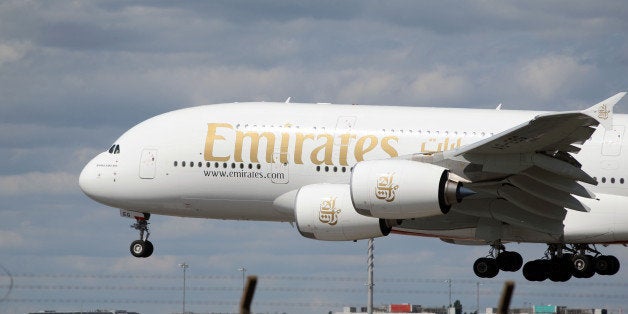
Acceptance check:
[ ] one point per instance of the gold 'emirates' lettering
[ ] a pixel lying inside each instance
(219, 134)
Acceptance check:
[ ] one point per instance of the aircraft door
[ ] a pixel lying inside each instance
(148, 164)
(612, 141)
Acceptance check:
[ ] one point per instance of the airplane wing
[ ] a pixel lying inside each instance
(527, 176)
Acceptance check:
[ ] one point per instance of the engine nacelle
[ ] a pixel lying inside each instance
(325, 212)
(403, 189)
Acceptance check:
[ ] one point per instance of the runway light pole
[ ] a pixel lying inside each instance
(477, 290)
(184, 266)
(449, 282)
(243, 270)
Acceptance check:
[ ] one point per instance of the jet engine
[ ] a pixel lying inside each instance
(403, 189)
(325, 212)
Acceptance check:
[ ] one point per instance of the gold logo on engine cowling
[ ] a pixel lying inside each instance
(328, 213)
(603, 112)
(386, 189)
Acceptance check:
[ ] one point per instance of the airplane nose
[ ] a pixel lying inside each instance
(87, 178)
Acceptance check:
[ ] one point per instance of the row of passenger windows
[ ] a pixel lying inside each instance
(216, 165)
(612, 180)
(333, 169)
(402, 131)
(234, 165)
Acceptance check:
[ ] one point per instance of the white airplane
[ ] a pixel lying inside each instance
(350, 172)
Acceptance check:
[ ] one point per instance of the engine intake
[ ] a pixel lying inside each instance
(403, 189)
(325, 212)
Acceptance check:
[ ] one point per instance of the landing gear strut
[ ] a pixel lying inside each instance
(141, 248)
(498, 259)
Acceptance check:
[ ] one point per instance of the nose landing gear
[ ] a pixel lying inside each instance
(141, 248)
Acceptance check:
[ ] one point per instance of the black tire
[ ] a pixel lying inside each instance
(149, 249)
(138, 248)
(606, 265)
(559, 270)
(583, 266)
(485, 267)
(602, 265)
(509, 261)
(615, 265)
(536, 270)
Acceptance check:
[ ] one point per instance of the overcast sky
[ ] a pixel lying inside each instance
(75, 75)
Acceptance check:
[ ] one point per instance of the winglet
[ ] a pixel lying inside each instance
(603, 111)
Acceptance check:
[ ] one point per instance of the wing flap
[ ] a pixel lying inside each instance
(558, 182)
(530, 203)
(504, 211)
(510, 214)
(547, 193)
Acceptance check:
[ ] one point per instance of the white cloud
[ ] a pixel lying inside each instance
(10, 239)
(38, 183)
(441, 84)
(11, 52)
(554, 75)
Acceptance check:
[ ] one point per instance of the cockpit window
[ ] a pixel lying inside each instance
(114, 149)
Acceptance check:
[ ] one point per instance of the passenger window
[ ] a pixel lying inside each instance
(200, 164)
(183, 164)
(175, 163)
(191, 164)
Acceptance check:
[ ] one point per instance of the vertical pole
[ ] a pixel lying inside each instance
(243, 270)
(477, 291)
(369, 262)
(184, 266)
(450, 304)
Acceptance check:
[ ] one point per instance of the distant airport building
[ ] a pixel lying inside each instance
(87, 312)
(406, 308)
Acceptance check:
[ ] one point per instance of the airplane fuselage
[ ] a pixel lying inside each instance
(247, 160)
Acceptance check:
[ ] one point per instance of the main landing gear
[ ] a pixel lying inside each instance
(560, 263)
(498, 259)
(142, 247)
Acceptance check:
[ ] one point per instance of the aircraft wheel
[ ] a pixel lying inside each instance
(559, 270)
(606, 265)
(536, 270)
(141, 248)
(485, 267)
(583, 266)
(509, 261)
(149, 249)
(615, 264)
